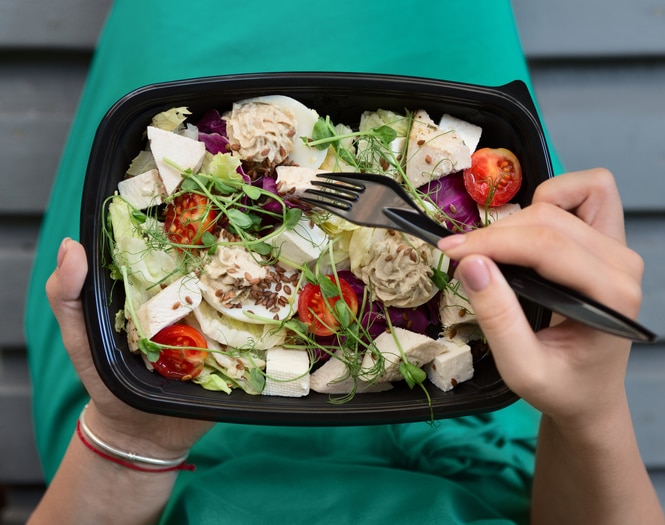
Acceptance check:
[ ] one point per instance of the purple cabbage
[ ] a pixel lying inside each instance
(419, 319)
(212, 132)
(450, 195)
(212, 122)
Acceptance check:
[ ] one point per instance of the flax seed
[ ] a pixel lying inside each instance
(175, 305)
(428, 159)
(421, 142)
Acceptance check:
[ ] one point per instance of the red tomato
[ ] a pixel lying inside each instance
(180, 363)
(494, 177)
(188, 217)
(313, 311)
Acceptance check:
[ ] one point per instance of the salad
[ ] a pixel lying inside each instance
(232, 282)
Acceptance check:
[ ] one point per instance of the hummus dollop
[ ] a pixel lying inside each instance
(260, 131)
(229, 276)
(397, 267)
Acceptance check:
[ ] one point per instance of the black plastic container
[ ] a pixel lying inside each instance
(508, 118)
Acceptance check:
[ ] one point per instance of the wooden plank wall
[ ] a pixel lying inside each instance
(599, 77)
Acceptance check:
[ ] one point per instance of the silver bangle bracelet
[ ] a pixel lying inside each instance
(127, 456)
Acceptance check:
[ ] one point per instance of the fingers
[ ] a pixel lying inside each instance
(591, 195)
(549, 217)
(573, 234)
(513, 342)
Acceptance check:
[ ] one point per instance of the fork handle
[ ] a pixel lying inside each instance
(526, 283)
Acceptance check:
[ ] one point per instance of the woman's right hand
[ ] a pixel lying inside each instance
(573, 234)
(112, 420)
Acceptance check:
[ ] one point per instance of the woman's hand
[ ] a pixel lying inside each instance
(113, 421)
(572, 234)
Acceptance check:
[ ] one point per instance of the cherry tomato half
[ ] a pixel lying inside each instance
(316, 315)
(188, 217)
(494, 177)
(180, 363)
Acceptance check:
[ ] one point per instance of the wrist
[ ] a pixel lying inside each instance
(138, 452)
(607, 422)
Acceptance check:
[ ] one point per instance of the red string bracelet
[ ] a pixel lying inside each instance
(128, 464)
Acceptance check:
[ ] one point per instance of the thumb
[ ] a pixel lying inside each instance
(509, 334)
(63, 290)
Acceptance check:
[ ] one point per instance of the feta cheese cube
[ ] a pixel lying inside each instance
(184, 152)
(451, 367)
(294, 180)
(301, 245)
(144, 190)
(287, 373)
(333, 378)
(419, 349)
(454, 306)
(170, 305)
(469, 133)
(489, 215)
(433, 153)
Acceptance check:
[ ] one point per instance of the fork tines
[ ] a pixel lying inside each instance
(339, 192)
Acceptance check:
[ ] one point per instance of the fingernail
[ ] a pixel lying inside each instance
(475, 275)
(448, 243)
(62, 251)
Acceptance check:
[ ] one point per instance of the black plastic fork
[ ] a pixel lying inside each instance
(379, 201)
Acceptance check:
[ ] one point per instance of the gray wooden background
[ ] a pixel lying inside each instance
(599, 73)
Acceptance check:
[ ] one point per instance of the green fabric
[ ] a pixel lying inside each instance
(467, 470)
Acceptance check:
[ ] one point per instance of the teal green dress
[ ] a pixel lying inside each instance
(468, 470)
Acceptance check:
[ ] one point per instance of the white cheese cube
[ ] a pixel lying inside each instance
(433, 153)
(419, 349)
(301, 245)
(144, 190)
(287, 373)
(454, 306)
(489, 215)
(452, 367)
(294, 180)
(170, 305)
(168, 147)
(333, 378)
(469, 133)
